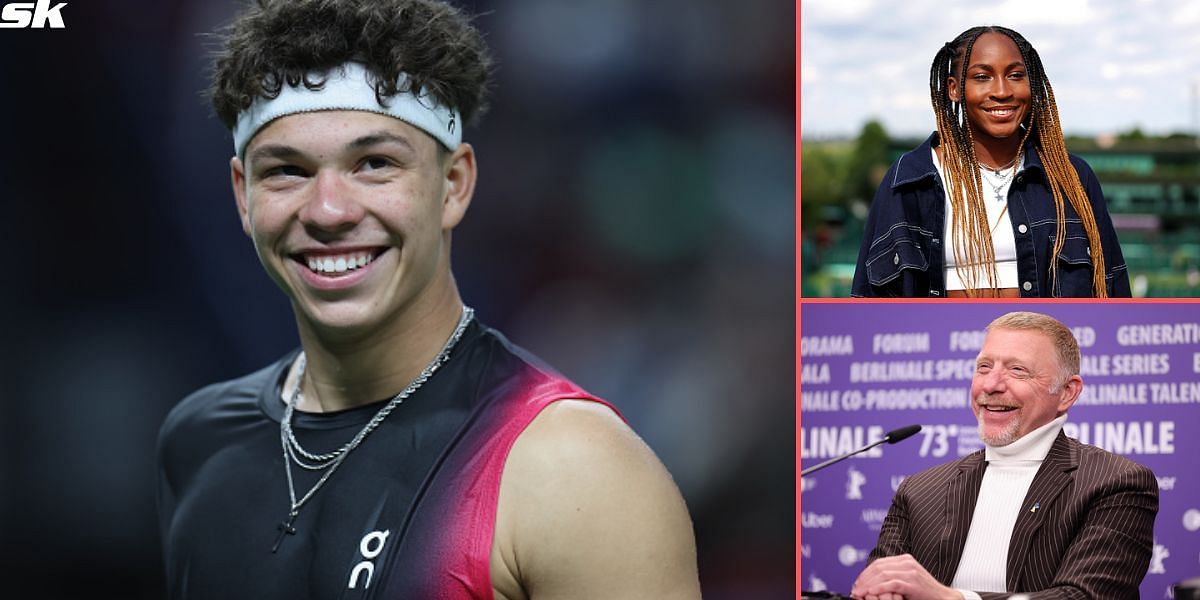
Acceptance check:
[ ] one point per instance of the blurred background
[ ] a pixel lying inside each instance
(633, 225)
(1126, 78)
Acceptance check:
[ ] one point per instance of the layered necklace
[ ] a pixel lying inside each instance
(330, 461)
(999, 179)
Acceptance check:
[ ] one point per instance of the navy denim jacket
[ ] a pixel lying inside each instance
(903, 255)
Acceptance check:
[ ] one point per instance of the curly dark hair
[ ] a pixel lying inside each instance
(273, 42)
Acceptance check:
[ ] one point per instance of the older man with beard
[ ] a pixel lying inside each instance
(1035, 512)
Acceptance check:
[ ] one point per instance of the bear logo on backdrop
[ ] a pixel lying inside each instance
(815, 584)
(807, 484)
(854, 482)
(1156, 561)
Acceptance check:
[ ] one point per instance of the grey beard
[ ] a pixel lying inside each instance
(1004, 438)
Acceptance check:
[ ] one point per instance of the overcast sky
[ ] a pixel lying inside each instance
(1114, 64)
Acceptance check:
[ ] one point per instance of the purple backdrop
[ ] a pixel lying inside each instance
(870, 368)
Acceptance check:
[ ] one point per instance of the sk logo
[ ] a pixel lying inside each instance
(19, 15)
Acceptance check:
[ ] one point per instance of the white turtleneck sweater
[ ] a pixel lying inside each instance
(1010, 472)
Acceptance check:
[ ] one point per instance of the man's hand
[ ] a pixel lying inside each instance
(900, 578)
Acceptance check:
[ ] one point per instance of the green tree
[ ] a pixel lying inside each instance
(822, 180)
(868, 161)
(1133, 135)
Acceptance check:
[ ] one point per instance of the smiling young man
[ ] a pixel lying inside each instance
(1034, 512)
(405, 450)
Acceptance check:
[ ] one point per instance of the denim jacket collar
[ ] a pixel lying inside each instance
(902, 252)
(917, 164)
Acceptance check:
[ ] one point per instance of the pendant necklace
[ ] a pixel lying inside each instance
(998, 188)
(329, 462)
(1004, 174)
(999, 191)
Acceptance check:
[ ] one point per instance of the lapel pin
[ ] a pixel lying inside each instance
(1036, 506)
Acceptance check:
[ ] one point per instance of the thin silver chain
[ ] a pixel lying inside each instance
(1002, 177)
(332, 460)
(997, 170)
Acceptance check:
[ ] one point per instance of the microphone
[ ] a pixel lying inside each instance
(891, 437)
(898, 435)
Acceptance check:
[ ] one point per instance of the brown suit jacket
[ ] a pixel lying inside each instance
(1091, 536)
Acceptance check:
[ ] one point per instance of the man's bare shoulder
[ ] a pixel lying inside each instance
(587, 510)
(568, 431)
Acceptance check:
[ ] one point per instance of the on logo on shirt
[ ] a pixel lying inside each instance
(369, 547)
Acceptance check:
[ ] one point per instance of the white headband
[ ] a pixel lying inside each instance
(347, 87)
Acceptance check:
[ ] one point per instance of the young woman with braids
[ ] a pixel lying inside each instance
(991, 205)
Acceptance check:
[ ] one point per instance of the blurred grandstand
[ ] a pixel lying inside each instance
(1152, 185)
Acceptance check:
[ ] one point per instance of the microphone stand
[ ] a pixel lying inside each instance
(891, 438)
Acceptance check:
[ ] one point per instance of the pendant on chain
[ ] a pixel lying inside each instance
(292, 449)
(285, 528)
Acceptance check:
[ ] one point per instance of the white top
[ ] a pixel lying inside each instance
(995, 199)
(1010, 471)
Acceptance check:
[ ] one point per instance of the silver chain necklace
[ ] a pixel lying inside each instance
(997, 170)
(997, 188)
(292, 451)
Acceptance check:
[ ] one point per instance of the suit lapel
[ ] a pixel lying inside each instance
(1052, 478)
(962, 492)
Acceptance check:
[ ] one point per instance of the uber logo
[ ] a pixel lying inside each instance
(369, 552)
(816, 520)
(19, 15)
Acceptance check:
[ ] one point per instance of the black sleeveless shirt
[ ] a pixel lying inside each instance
(409, 513)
